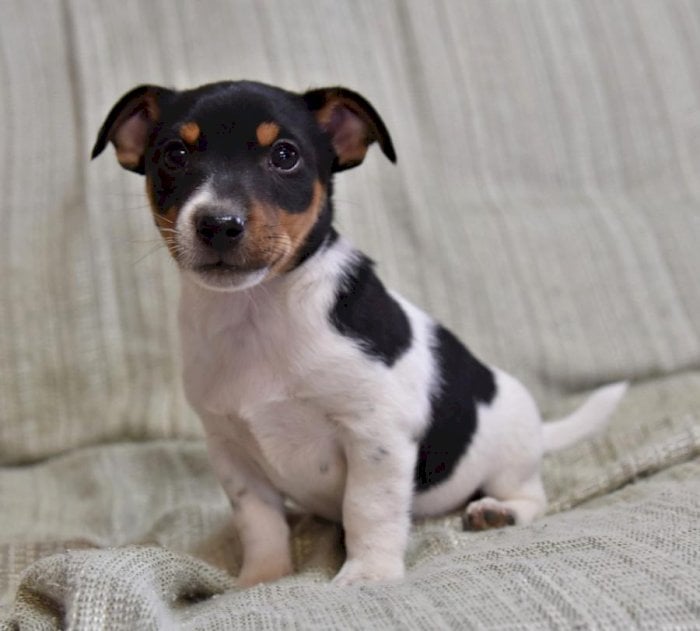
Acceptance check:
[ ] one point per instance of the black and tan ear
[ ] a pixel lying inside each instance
(352, 124)
(128, 124)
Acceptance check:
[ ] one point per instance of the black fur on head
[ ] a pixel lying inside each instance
(268, 153)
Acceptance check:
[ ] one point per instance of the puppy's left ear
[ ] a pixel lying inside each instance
(352, 124)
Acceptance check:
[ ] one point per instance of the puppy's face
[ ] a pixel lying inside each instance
(238, 173)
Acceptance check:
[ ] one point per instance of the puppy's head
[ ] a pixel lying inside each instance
(238, 173)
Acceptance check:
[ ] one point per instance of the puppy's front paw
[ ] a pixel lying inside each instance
(355, 571)
(487, 513)
(264, 571)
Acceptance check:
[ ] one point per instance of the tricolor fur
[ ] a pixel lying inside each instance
(313, 381)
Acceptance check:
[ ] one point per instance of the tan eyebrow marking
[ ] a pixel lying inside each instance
(267, 133)
(189, 132)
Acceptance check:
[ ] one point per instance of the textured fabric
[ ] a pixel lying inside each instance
(546, 206)
(628, 560)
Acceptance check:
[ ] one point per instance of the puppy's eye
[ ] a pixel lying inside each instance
(284, 155)
(175, 156)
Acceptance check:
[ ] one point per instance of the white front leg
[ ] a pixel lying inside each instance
(376, 505)
(258, 515)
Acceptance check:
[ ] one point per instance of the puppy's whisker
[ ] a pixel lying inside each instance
(160, 246)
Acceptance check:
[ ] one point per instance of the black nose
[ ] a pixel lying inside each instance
(220, 231)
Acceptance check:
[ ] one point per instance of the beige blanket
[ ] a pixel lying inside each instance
(546, 206)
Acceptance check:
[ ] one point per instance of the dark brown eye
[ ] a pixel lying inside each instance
(284, 155)
(175, 156)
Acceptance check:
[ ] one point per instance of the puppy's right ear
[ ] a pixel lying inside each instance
(352, 125)
(128, 124)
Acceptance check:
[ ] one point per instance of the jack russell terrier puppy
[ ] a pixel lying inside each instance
(312, 380)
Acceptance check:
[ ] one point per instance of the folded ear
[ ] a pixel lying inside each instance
(352, 124)
(128, 124)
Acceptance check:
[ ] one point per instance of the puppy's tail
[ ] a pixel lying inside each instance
(589, 419)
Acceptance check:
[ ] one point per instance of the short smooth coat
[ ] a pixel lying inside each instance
(313, 381)
(273, 378)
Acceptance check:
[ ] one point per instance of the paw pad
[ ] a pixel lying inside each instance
(486, 517)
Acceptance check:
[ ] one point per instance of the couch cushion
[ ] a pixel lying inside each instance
(626, 560)
(544, 204)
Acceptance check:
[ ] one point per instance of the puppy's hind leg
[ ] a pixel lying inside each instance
(511, 455)
(507, 503)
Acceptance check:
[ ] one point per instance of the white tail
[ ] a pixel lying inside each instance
(587, 420)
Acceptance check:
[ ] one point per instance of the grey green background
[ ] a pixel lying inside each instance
(546, 206)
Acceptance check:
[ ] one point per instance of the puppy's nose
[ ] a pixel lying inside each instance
(220, 231)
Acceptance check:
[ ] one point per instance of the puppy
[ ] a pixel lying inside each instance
(312, 380)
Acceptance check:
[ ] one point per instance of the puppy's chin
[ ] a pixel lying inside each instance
(226, 280)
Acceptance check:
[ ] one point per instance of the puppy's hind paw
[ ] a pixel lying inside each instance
(487, 513)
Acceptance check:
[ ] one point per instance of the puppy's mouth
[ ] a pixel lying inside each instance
(231, 266)
(218, 267)
(224, 276)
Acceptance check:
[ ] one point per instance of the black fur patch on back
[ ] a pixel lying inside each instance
(366, 312)
(463, 383)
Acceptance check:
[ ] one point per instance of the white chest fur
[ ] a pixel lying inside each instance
(269, 375)
(248, 363)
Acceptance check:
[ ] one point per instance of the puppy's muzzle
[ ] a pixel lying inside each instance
(221, 232)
